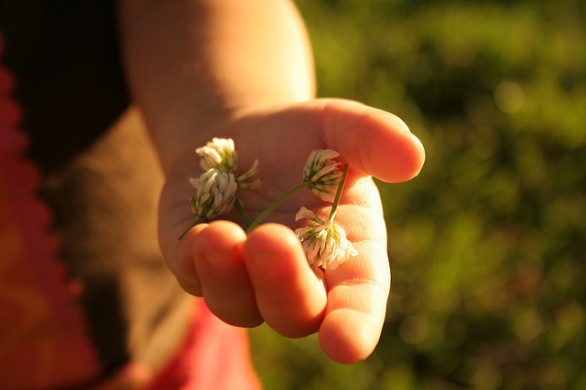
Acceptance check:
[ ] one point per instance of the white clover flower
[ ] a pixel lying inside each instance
(322, 173)
(219, 154)
(324, 242)
(215, 194)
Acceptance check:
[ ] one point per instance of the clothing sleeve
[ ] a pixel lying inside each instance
(65, 56)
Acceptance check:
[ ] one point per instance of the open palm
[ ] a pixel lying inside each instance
(264, 276)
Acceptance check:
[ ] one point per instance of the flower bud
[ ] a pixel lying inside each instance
(324, 242)
(218, 154)
(215, 194)
(323, 174)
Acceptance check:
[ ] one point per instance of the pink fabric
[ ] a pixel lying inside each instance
(214, 356)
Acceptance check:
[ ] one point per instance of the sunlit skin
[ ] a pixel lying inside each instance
(264, 276)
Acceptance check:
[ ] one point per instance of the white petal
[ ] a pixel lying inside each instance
(304, 213)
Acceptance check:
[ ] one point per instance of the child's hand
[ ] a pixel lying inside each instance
(265, 276)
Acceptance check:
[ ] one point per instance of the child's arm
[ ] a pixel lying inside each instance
(242, 69)
(194, 64)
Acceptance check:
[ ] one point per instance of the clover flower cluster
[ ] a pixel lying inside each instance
(215, 189)
(324, 242)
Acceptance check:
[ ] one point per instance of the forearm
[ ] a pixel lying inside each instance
(192, 65)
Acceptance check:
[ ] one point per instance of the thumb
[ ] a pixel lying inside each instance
(372, 140)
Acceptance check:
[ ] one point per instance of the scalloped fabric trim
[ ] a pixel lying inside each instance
(43, 339)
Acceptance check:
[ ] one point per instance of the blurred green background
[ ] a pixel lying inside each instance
(487, 245)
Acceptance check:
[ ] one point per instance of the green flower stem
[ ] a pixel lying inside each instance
(195, 222)
(339, 193)
(243, 214)
(258, 220)
(239, 205)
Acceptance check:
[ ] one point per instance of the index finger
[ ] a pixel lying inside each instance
(357, 297)
(356, 306)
